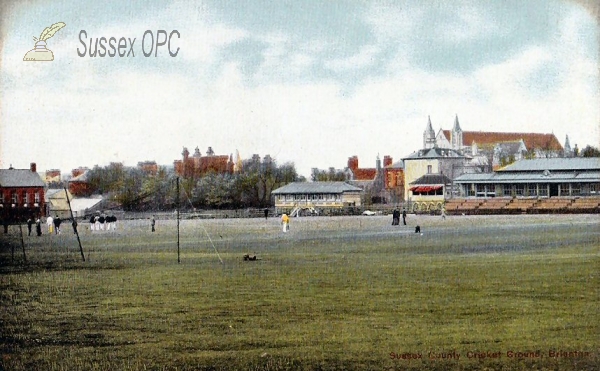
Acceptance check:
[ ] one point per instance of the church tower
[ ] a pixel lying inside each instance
(456, 136)
(428, 135)
(568, 152)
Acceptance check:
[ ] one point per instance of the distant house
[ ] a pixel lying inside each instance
(79, 183)
(21, 194)
(316, 196)
(432, 161)
(385, 183)
(53, 177)
(56, 203)
(148, 167)
(198, 165)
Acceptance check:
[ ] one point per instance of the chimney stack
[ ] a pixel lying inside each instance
(33, 167)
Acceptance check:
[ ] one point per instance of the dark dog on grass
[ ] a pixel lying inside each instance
(418, 229)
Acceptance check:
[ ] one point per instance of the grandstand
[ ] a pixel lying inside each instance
(503, 205)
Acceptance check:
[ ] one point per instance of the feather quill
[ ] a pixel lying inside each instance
(50, 31)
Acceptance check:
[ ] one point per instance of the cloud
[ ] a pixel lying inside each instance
(365, 57)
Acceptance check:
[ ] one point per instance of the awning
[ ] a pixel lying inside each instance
(425, 189)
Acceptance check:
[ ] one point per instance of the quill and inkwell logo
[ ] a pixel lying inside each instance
(40, 52)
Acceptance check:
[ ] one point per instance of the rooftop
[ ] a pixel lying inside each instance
(20, 178)
(316, 187)
(555, 164)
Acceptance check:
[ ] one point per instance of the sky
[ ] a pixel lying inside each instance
(308, 82)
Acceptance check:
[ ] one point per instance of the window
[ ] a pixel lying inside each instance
(543, 190)
(507, 190)
(471, 190)
(531, 189)
(26, 198)
(519, 189)
(1, 197)
(575, 189)
(36, 197)
(429, 169)
(15, 198)
(595, 188)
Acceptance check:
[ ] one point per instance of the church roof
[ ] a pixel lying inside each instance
(456, 125)
(429, 128)
(532, 140)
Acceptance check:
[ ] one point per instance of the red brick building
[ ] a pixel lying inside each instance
(148, 167)
(53, 176)
(79, 184)
(385, 182)
(21, 194)
(198, 165)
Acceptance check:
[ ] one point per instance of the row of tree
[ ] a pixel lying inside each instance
(134, 189)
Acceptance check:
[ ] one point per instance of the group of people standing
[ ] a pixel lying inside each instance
(103, 222)
(52, 224)
(38, 226)
(396, 217)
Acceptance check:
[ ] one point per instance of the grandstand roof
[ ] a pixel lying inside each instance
(531, 177)
(555, 164)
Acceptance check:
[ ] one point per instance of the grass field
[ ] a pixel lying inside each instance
(352, 293)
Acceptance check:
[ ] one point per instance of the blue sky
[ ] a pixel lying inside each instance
(312, 82)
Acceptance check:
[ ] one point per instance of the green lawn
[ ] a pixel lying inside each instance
(333, 293)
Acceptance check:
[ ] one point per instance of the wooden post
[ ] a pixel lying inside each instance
(22, 242)
(177, 206)
(74, 225)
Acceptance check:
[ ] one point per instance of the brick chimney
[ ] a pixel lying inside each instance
(33, 167)
(387, 161)
(353, 163)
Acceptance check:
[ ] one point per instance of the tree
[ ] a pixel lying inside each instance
(258, 179)
(330, 175)
(215, 190)
(590, 151)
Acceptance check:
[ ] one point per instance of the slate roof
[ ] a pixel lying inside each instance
(396, 165)
(555, 164)
(316, 187)
(509, 147)
(429, 179)
(530, 177)
(20, 178)
(434, 153)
